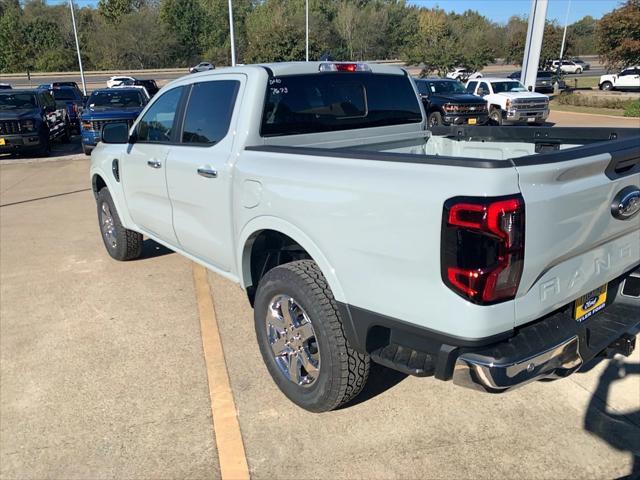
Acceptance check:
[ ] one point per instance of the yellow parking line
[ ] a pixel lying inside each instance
(231, 455)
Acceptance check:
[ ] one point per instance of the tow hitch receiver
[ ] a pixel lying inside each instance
(625, 345)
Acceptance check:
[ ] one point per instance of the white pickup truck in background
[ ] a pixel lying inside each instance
(490, 256)
(509, 102)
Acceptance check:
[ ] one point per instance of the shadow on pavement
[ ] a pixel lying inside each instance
(380, 380)
(620, 431)
(152, 249)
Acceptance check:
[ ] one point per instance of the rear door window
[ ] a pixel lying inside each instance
(208, 112)
(299, 104)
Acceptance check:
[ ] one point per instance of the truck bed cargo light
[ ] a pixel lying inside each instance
(343, 67)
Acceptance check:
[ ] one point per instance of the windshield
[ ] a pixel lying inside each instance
(116, 98)
(446, 87)
(502, 87)
(16, 101)
(66, 94)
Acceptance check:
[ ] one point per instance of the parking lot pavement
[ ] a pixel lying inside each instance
(101, 363)
(574, 119)
(103, 376)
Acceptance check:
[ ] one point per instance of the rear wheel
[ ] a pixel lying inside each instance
(121, 243)
(302, 341)
(435, 119)
(606, 86)
(495, 116)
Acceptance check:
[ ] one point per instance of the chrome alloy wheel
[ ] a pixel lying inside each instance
(108, 225)
(293, 340)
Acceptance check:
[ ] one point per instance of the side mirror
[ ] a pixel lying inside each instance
(117, 132)
(530, 88)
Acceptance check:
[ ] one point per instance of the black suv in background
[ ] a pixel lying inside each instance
(30, 121)
(446, 102)
(544, 81)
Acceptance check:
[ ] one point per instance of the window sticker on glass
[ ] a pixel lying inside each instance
(433, 89)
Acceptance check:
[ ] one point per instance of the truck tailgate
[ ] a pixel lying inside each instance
(573, 242)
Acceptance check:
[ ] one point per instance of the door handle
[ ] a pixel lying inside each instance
(154, 163)
(207, 172)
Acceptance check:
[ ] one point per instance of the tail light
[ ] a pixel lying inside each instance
(74, 107)
(482, 251)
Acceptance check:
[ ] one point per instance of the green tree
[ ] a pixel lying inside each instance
(584, 35)
(113, 10)
(186, 20)
(13, 52)
(618, 35)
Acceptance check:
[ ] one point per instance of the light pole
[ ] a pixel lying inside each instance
(556, 85)
(233, 40)
(564, 35)
(75, 34)
(533, 46)
(307, 28)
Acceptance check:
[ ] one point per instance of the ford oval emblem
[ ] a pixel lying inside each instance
(590, 303)
(626, 203)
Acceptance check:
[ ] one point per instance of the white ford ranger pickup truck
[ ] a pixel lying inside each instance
(489, 256)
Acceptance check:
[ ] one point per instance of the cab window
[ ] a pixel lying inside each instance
(472, 87)
(157, 124)
(208, 112)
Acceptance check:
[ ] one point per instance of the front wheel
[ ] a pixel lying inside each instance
(121, 243)
(495, 116)
(86, 150)
(302, 340)
(435, 119)
(578, 71)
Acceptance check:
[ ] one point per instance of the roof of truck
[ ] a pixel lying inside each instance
(298, 68)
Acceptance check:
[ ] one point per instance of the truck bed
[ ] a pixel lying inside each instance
(479, 147)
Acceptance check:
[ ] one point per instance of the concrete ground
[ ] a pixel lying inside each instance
(102, 375)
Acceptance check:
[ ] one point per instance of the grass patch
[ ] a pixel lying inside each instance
(633, 109)
(581, 109)
(583, 82)
(595, 101)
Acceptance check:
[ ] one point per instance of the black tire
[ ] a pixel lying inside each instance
(86, 150)
(66, 135)
(125, 244)
(495, 116)
(578, 71)
(606, 86)
(435, 119)
(342, 371)
(45, 149)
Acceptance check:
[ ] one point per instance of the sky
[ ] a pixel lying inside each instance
(500, 10)
(496, 10)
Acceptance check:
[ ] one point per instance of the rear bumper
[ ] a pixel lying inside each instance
(554, 346)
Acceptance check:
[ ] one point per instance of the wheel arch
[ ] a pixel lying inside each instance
(250, 240)
(98, 181)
